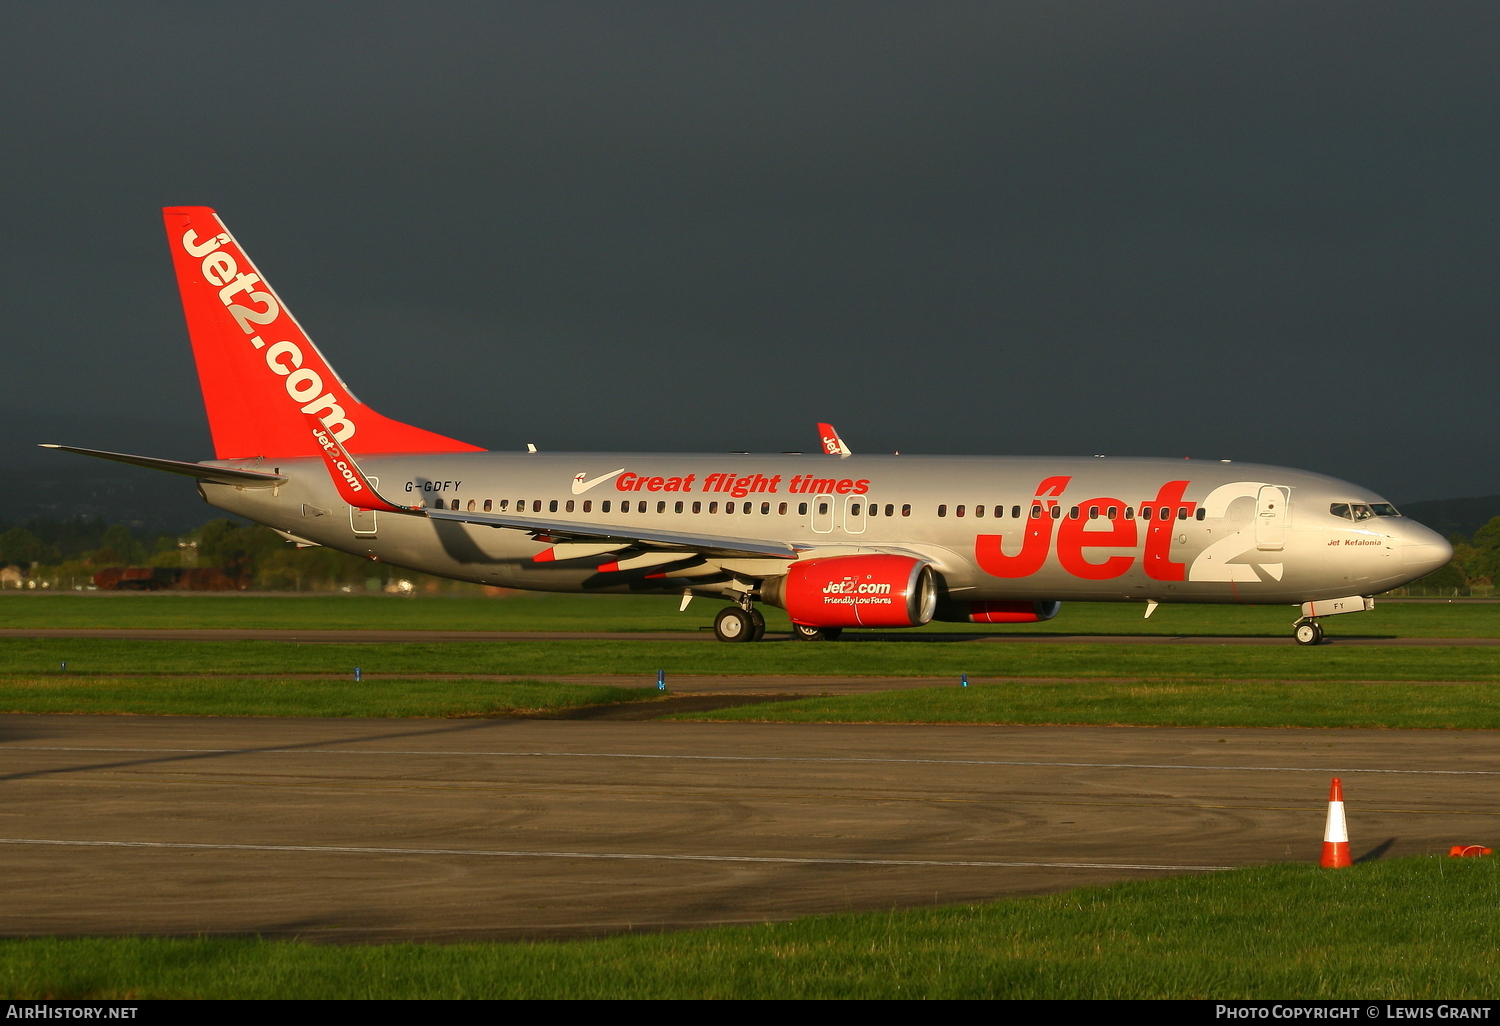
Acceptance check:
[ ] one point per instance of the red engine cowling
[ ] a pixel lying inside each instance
(856, 591)
(1011, 612)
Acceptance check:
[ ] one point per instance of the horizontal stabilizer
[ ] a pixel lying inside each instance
(201, 471)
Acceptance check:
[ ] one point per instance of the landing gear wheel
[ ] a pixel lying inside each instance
(734, 624)
(802, 632)
(1309, 633)
(759, 623)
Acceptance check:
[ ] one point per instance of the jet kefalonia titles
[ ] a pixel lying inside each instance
(835, 538)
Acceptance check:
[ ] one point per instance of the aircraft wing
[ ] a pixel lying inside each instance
(708, 545)
(355, 489)
(219, 475)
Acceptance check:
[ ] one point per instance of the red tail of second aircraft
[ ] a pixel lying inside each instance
(261, 375)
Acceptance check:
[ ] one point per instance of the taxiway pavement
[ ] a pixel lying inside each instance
(359, 830)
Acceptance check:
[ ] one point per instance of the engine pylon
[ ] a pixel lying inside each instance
(1336, 836)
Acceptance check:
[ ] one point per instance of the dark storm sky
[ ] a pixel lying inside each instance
(1261, 231)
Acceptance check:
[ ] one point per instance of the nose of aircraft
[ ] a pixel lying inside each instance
(1423, 550)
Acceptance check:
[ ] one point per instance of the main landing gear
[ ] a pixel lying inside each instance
(735, 623)
(1308, 632)
(745, 623)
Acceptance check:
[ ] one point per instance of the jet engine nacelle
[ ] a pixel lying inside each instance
(856, 591)
(1000, 612)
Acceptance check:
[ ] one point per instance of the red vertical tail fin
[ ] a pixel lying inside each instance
(261, 375)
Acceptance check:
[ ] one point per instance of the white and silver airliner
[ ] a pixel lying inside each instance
(836, 539)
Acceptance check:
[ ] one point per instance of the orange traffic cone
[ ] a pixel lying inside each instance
(1336, 837)
(1468, 851)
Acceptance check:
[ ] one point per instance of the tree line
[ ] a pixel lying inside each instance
(67, 554)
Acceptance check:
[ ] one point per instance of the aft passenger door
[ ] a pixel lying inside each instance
(362, 521)
(1271, 518)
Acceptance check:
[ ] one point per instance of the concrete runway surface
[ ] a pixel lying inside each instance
(364, 830)
(406, 637)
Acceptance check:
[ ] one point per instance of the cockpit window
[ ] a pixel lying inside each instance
(1362, 510)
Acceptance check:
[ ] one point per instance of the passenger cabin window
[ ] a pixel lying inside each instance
(552, 506)
(536, 505)
(570, 506)
(906, 510)
(802, 509)
(958, 511)
(1181, 512)
(979, 511)
(588, 505)
(781, 510)
(1201, 513)
(1057, 512)
(713, 507)
(487, 504)
(854, 509)
(625, 506)
(697, 507)
(661, 507)
(942, 511)
(765, 509)
(677, 507)
(470, 507)
(822, 509)
(640, 507)
(1145, 512)
(604, 506)
(1036, 512)
(890, 509)
(728, 507)
(1113, 512)
(1129, 512)
(1093, 512)
(747, 507)
(504, 505)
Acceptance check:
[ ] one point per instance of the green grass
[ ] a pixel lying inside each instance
(269, 696)
(653, 613)
(1403, 929)
(1157, 704)
(644, 658)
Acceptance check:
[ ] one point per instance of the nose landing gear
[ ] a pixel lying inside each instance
(1308, 632)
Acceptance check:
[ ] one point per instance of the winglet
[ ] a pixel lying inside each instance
(832, 444)
(352, 485)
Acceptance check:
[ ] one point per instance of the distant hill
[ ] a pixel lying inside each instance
(1454, 516)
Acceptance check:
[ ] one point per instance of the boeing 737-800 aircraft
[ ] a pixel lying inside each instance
(836, 539)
